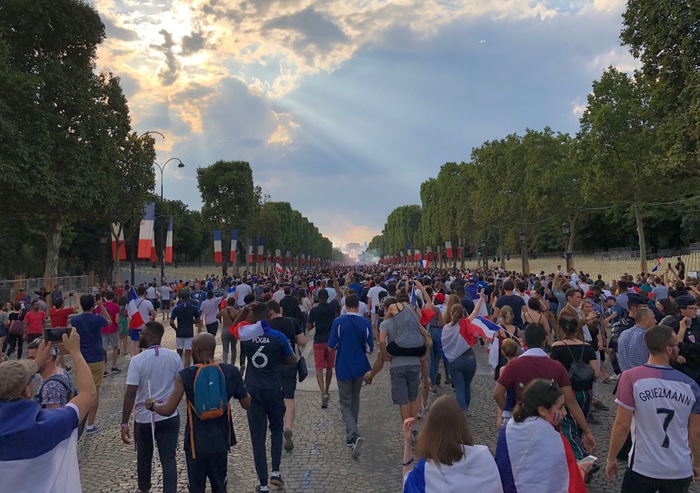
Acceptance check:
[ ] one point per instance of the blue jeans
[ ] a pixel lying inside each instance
(462, 371)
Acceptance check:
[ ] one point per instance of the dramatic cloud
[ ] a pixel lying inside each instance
(343, 107)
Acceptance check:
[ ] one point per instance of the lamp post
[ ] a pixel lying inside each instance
(485, 254)
(566, 229)
(162, 231)
(103, 244)
(523, 253)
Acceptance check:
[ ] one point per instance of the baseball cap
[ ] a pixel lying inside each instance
(14, 378)
(636, 299)
(440, 298)
(684, 301)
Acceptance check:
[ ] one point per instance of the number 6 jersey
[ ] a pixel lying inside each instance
(662, 400)
(265, 348)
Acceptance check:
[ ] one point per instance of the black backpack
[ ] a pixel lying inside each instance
(580, 373)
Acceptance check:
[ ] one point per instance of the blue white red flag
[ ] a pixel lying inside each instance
(146, 231)
(218, 256)
(425, 264)
(658, 264)
(278, 268)
(169, 243)
(234, 245)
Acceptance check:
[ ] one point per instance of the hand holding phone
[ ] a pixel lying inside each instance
(56, 334)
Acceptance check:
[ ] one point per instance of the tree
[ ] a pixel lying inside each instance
(620, 142)
(65, 123)
(229, 199)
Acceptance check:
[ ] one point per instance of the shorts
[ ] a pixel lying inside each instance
(3, 330)
(323, 357)
(135, 334)
(165, 304)
(405, 382)
(110, 340)
(97, 370)
(183, 342)
(289, 380)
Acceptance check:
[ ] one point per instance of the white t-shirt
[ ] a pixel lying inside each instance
(242, 290)
(662, 400)
(210, 308)
(373, 295)
(362, 310)
(160, 366)
(279, 294)
(151, 293)
(165, 292)
(143, 306)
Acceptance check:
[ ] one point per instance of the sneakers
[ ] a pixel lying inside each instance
(261, 489)
(615, 377)
(89, 430)
(357, 447)
(105, 373)
(288, 443)
(600, 406)
(349, 443)
(324, 401)
(116, 370)
(276, 479)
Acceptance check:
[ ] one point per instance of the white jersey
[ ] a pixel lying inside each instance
(165, 292)
(156, 365)
(662, 400)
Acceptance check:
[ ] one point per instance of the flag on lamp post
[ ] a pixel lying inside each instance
(218, 256)
(118, 244)
(278, 255)
(250, 250)
(169, 242)
(448, 250)
(146, 231)
(288, 257)
(234, 245)
(416, 255)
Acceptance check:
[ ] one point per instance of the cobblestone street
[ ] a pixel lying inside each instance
(320, 461)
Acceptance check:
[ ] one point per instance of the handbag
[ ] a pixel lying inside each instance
(302, 369)
(16, 328)
(581, 374)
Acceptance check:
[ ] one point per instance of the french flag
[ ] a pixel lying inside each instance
(250, 251)
(448, 249)
(278, 268)
(416, 255)
(245, 331)
(154, 255)
(658, 264)
(38, 447)
(118, 240)
(485, 328)
(425, 264)
(169, 242)
(261, 247)
(218, 256)
(545, 465)
(146, 231)
(278, 255)
(234, 245)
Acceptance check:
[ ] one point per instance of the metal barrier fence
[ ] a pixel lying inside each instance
(9, 289)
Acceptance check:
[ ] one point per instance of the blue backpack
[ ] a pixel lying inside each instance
(210, 398)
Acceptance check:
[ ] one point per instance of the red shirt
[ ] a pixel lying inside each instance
(59, 317)
(113, 310)
(119, 292)
(34, 322)
(532, 364)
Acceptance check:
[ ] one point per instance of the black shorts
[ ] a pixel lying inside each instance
(289, 380)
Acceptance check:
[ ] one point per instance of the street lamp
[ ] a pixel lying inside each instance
(566, 229)
(523, 253)
(485, 254)
(162, 231)
(103, 243)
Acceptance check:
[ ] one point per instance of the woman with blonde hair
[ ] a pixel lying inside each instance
(449, 462)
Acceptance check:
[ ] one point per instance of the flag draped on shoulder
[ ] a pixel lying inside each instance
(245, 331)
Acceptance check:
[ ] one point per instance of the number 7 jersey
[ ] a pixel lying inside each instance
(662, 400)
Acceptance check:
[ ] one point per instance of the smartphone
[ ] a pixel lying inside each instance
(56, 334)
(587, 459)
(479, 290)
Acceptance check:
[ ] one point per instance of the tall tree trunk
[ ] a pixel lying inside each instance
(53, 249)
(640, 233)
(501, 249)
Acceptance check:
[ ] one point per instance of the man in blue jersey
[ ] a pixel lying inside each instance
(266, 349)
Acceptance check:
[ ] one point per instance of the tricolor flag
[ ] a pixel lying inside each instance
(146, 231)
(522, 467)
(448, 249)
(154, 255)
(416, 255)
(278, 268)
(136, 320)
(234, 245)
(261, 246)
(169, 242)
(425, 264)
(119, 241)
(485, 327)
(408, 253)
(658, 264)
(278, 255)
(287, 257)
(429, 253)
(269, 257)
(250, 250)
(218, 256)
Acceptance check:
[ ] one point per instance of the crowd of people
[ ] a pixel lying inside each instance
(551, 337)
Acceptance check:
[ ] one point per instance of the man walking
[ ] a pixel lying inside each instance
(632, 350)
(207, 440)
(155, 367)
(209, 309)
(322, 317)
(351, 337)
(266, 349)
(661, 407)
(187, 315)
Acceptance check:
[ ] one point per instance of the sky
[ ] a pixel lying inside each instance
(344, 107)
